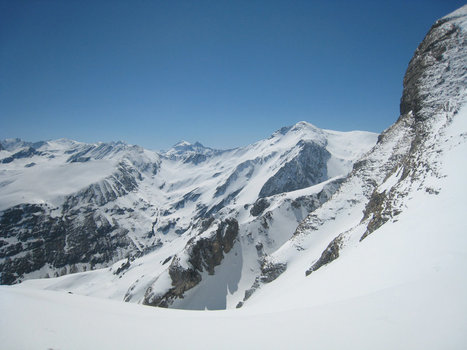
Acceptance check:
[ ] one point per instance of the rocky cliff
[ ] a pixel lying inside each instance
(408, 155)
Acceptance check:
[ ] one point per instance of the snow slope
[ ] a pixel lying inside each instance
(415, 315)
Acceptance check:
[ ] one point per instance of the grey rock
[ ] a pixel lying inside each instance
(205, 253)
(269, 272)
(434, 84)
(58, 241)
(330, 254)
(259, 207)
(25, 153)
(306, 169)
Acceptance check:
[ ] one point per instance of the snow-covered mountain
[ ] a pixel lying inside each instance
(314, 238)
(69, 206)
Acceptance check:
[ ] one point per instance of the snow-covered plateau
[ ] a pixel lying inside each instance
(308, 239)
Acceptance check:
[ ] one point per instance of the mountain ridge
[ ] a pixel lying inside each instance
(135, 199)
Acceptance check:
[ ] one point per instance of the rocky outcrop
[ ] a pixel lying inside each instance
(269, 272)
(24, 153)
(204, 254)
(308, 168)
(123, 181)
(259, 207)
(436, 71)
(314, 201)
(74, 237)
(434, 87)
(408, 153)
(330, 254)
(31, 238)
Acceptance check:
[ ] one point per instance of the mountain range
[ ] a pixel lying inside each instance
(308, 238)
(92, 205)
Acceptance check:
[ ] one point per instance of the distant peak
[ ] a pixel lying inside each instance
(63, 141)
(182, 143)
(300, 126)
(304, 125)
(12, 144)
(10, 140)
(188, 145)
(184, 148)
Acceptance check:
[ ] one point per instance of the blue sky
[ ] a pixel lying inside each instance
(225, 73)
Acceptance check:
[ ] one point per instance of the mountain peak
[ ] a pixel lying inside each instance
(185, 149)
(185, 146)
(182, 143)
(301, 131)
(304, 125)
(300, 126)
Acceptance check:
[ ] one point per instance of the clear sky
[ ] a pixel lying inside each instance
(225, 73)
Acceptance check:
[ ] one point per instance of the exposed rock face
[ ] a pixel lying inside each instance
(312, 202)
(25, 153)
(204, 254)
(31, 238)
(408, 153)
(269, 272)
(437, 69)
(77, 236)
(330, 254)
(306, 169)
(434, 86)
(123, 181)
(259, 207)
